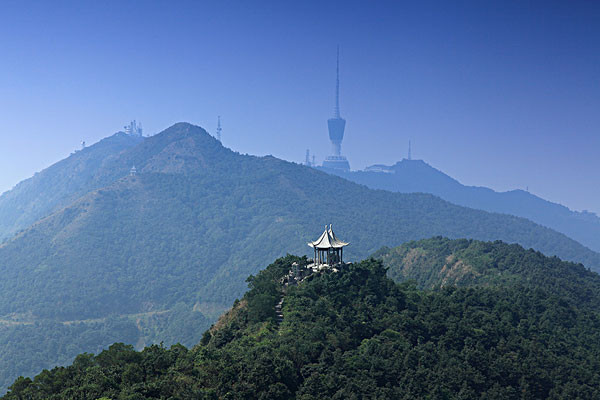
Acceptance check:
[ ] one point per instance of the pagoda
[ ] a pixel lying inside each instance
(329, 250)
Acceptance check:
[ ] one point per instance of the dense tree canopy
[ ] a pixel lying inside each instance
(440, 262)
(357, 334)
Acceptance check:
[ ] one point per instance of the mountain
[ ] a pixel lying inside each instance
(62, 183)
(357, 334)
(441, 262)
(416, 176)
(159, 255)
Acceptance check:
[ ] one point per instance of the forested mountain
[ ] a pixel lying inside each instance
(60, 184)
(441, 262)
(357, 334)
(159, 255)
(416, 176)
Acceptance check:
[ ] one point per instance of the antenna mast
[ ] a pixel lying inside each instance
(409, 151)
(219, 128)
(336, 111)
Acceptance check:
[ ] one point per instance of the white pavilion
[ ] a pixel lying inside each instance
(329, 250)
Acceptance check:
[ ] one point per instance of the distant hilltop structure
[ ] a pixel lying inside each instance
(82, 147)
(308, 161)
(380, 168)
(336, 163)
(391, 169)
(336, 126)
(134, 128)
(218, 134)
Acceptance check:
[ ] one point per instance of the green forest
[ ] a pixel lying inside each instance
(157, 257)
(358, 334)
(439, 262)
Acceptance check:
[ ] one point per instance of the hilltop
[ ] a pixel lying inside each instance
(440, 262)
(416, 176)
(62, 183)
(159, 255)
(357, 334)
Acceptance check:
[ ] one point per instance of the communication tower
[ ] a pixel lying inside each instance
(307, 159)
(219, 128)
(336, 126)
(134, 128)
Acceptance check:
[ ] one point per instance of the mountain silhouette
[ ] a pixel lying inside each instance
(416, 176)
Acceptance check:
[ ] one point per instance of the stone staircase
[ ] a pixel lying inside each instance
(278, 312)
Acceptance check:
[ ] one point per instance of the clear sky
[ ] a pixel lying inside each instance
(498, 94)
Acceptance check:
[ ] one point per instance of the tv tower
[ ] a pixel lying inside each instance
(409, 151)
(218, 135)
(336, 126)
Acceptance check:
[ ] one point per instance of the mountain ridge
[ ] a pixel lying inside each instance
(59, 184)
(440, 262)
(410, 176)
(184, 233)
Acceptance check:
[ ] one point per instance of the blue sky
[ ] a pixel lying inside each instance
(504, 95)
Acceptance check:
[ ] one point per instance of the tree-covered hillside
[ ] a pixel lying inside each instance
(357, 334)
(416, 176)
(442, 262)
(62, 183)
(167, 250)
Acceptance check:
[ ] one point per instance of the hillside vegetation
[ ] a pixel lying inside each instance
(62, 183)
(357, 334)
(164, 252)
(441, 262)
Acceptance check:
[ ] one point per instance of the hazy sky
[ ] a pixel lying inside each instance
(504, 95)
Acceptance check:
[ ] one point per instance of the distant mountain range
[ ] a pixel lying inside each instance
(157, 256)
(416, 176)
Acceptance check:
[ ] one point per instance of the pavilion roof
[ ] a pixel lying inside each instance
(328, 240)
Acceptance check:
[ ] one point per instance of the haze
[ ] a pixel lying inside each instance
(504, 96)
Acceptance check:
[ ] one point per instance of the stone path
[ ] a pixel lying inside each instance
(278, 311)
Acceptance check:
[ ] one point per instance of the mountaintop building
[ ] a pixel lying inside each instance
(134, 128)
(329, 250)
